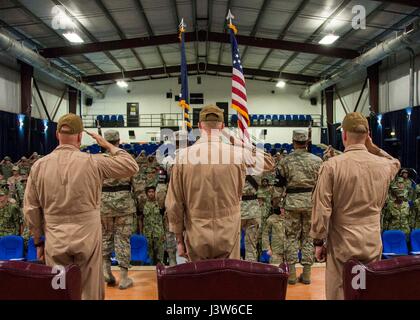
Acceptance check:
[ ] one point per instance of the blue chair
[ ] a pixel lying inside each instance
(31, 255)
(120, 120)
(243, 244)
(394, 243)
(415, 241)
(100, 118)
(301, 117)
(11, 248)
(308, 117)
(114, 261)
(261, 120)
(277, 146)
(234, 120)
(267, 146)
(281, 117)
(106, 118)
(275, 120)
(254, 119)
(138, 245)
(268, 120)
(288, 117)
(264, 258)
(295, 117)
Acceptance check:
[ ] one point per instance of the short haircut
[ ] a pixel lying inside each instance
(150, 188)
(211, 124)
(300, 143)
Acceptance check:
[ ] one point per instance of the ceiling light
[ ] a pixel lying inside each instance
(122, 84)
(73, 37)
(329, 39)
(281, 84)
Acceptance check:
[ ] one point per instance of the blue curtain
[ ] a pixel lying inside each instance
(14, 142)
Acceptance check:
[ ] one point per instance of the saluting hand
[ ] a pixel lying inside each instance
(100, 140)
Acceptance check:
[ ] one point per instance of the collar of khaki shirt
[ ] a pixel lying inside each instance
(210, 138)
(356, 147)
(66, 146)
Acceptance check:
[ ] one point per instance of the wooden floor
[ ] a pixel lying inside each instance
(145, 286)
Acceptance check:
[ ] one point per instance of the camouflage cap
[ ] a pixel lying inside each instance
(112, 135)
(73, 123)
(399, 192)
(7, 158)
(211, 113)
(404, 171)
(23, 158)
(15, 168)
(355, 122)
(300, 135)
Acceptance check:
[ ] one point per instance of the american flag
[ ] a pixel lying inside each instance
(239, 100)
(184, 95)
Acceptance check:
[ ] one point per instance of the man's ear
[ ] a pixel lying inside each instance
(344, 135)
(199, 125)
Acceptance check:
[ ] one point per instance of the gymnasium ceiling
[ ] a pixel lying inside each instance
(283, 25)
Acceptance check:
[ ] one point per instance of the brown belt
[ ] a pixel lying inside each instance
(116, 188)
(248, 198)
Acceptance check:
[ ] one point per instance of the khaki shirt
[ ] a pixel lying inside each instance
(204, 199)
(348, 199)
(68, 183)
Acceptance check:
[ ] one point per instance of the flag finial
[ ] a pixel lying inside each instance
(182, 25)
(230, 17)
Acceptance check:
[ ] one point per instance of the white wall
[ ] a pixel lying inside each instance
(151, 96)
(142, 135)
(393, 87)
(51, 91)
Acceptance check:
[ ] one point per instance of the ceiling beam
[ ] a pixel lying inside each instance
(284, 30)
(318, 31)
(202, 36)
(257, 23)
(45, 25)
(121, 34)
(195, 67)
(349, 33)
(149, 28)
(91, 37)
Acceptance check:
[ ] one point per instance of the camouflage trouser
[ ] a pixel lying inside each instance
(155, 249)
(116, 232)
(170, 247)
(277, 258)
(250, 226)
(298, 225)
(265, 213)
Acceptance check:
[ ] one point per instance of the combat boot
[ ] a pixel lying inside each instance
(109, 277)
(305, 277)
(292, 274)
(125, 281)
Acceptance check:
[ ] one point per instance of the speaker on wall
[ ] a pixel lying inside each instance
(198, 80)
(313, 101)
(168, 95)
(88, 101)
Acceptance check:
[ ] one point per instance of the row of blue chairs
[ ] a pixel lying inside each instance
(135, 148)
(12, 248)
(111, 120)
(276, 120)
(395, 244)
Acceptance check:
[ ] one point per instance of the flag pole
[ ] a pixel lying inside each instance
(181, 29)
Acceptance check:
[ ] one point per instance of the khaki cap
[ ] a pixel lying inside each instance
(72, 121)
(15, 168)
(355, 122)
(111, 135)
(211, 113)
(300, 135)
(7, 158)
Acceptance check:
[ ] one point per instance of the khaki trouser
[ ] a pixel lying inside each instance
(77, 239)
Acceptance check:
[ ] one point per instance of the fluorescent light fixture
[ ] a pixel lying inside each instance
(329, 39)
(379, 119)
(73, 37)
(393, 133)
(122, 84)
(281, 84)
(21, 118)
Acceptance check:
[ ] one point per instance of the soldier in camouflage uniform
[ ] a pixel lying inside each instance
(264, 194)
(10, 216)
(170, 240)
(397, 213)
(300, 172)
(117, 212)
(13, 180)
(24, 166)
(416, 207)
(250, 217)
(275, 228)
(6, 166)
(152, 226)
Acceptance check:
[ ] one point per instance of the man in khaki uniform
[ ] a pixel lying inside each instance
(347, 202)
(62, 201)
(205, 189)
